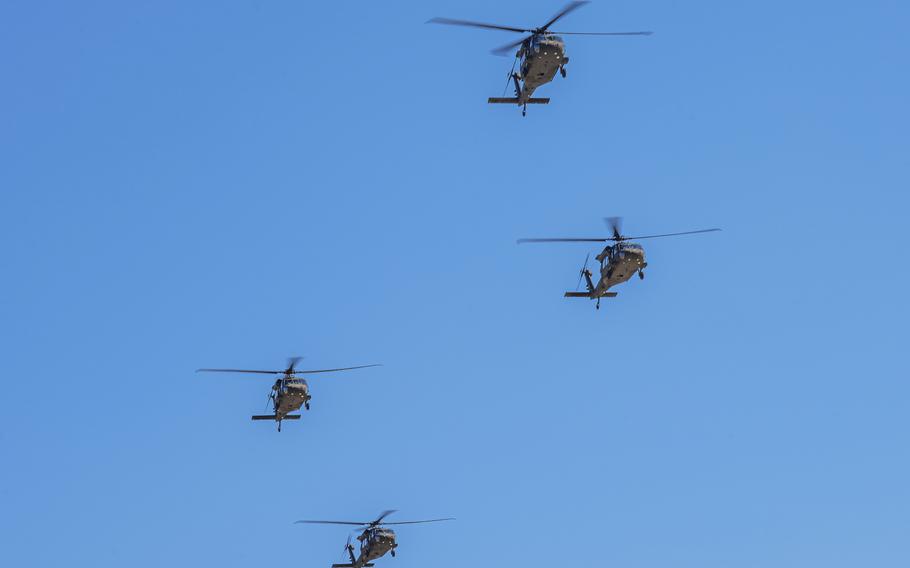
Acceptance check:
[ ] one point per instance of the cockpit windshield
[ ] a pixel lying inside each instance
(545, 39)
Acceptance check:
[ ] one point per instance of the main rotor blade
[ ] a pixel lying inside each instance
(570, 7)
(292, 362)
(615, 226)
(416, 522)
(454, 22)
(671, 234)
(239, 371)
(383, 515)
(520, 241)
(505, 49)
(604, 33)
(331, 523)
(333, 370)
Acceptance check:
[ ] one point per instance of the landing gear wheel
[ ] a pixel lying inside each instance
(393, 554)
(641, 275)
(524, 111)
(306, 405)
(562, 71)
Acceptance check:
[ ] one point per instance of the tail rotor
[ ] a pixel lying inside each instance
(584, 271)
(348, 551)
(509, 78)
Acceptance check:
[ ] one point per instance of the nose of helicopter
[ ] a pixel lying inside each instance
(552, 49)
(297, 386)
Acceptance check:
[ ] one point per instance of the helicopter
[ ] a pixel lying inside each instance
(618, 262)
(289, 392)
(539, 55)
(375, 541)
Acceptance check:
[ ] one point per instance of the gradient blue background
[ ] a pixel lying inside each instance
(190, 184)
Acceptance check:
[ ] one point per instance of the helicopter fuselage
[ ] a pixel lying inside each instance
(376, 543)
(290, 395)
(618, 263)
(541, 57)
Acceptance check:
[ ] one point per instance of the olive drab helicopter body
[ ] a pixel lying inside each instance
(539, 56)
(289, 392)
(618, 261)
(376, 540)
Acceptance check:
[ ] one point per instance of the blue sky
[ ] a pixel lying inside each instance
(231, 183)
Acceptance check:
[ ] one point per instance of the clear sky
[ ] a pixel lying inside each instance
(190, 184)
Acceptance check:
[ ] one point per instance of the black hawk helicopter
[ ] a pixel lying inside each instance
(540, 55)
(375, 541)
(289, 392)
(618, 262)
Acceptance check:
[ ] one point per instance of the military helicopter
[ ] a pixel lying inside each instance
(538, 58)
(375, 540)
(289, 392)
(618, 262)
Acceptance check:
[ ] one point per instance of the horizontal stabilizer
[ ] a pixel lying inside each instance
(514, 101)
(588, 295)
(273, 417)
